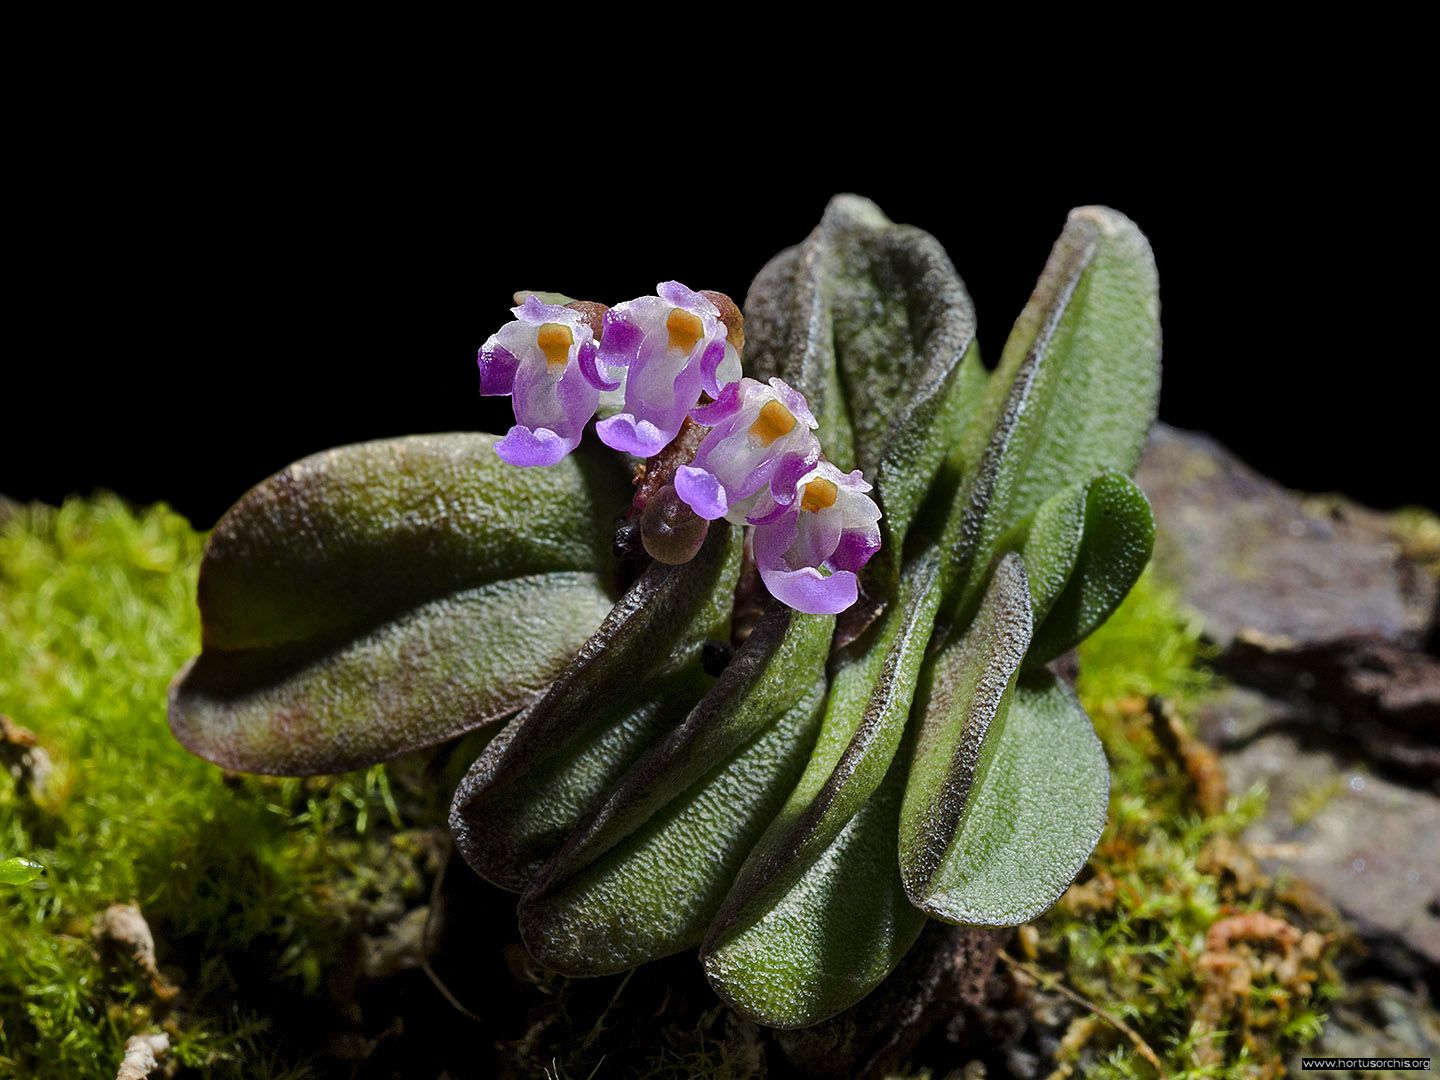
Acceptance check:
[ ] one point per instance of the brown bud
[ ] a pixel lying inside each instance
(730, 315)
(671, 532)
(593, 312)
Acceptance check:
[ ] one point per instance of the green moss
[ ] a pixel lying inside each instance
(1131, 936)
(254, 887)
(96, 614)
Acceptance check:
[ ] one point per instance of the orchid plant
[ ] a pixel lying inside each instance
(792, 783)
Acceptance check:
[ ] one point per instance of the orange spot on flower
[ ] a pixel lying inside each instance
(774, 420)
(555, 340)
(819, 495)
(685, 329)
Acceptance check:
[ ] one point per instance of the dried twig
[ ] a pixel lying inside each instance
(427, 941)
(1052, 982)
(141, 1052)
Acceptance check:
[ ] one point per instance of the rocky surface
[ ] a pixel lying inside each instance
(1377, 1019)
(1371, 844)
(1262, 562)
(1320, 613)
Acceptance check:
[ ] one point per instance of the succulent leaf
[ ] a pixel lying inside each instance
(1074, 393)
(1084, 548)
(832, 936)
(871, 321)
(1034, 814)
(378, 598)
(968, 688)
(627, 886)
(1117, 537)
(833, 819)
(636, 677)
(1009, 787)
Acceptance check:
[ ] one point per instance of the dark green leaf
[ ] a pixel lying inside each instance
(628, 887)
(346, 537)
(1074, 393)
(635, 678)
(969, 686)
(816, 917)
(870, 320)
(382, 597)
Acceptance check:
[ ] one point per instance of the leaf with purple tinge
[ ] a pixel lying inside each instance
(378, 598)
(636, 677)
(871, 321)
(627, 886)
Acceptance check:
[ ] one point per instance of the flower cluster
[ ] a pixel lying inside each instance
(650, 360)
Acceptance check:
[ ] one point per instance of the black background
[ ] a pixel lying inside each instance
(206, 298)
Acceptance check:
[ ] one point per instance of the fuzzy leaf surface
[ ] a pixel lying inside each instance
(1074, 393)
(1034, 813)
(627, 886)
(637, 677)
(968, 689)
(871, 321)
(378, 598)
(817, 916)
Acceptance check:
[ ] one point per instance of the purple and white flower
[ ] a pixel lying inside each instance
(759, 464)
(809, 554)
(760, 443)
(545, 361)
(673, 346)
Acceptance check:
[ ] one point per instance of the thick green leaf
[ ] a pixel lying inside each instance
(1034, 814)
(1074, 393)
(816, 917)
(638, 676)
(1084, 548)
(627, 886)
(19, 871)
(378, 598)
(346, 537)
(969, 686)
(870, 319)
(1050, 543)
(1116, 540)
(832, 936)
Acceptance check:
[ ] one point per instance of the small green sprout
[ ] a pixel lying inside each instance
(19, 871)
